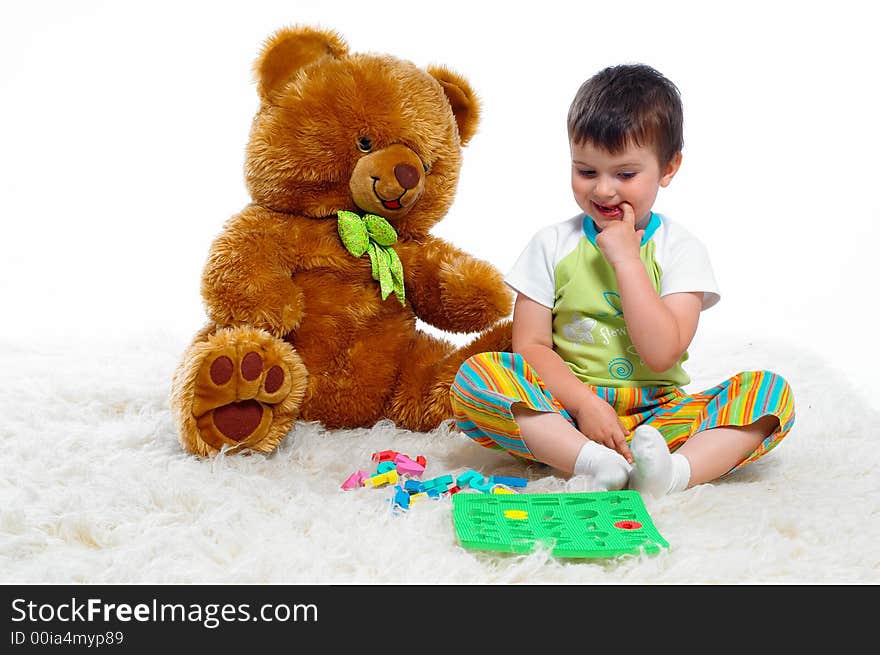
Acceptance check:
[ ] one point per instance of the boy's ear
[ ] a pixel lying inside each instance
(671, 169)
(465, 104)
(287, 51)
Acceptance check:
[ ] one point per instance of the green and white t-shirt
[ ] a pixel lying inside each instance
(563, 269)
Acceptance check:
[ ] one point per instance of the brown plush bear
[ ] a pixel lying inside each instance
(313, 290)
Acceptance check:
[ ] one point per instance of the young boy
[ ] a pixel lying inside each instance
(607, 305)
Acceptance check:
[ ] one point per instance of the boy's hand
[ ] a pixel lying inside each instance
(598, 421)
(620, 241)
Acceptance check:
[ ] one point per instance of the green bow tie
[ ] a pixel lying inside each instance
(373, 234)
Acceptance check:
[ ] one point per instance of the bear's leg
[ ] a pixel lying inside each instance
(239, 388)
(420, 400)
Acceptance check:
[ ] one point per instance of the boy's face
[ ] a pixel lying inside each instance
(602, 181)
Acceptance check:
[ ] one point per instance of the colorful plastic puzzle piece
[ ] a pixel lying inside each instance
(389, 477)
(465, 478)
(436, 483)
(385, 466)
(384, 456)
(407, 466)
(414, 486)
(508, 481)
(355, 480)
(582, 525)
(401, 497)
(481, 483)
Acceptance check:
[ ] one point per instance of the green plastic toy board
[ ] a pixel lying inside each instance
(590, 524)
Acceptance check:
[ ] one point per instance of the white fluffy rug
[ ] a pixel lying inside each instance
(95, 489)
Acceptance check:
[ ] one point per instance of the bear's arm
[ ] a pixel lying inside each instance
(452, 290)
(247, 279)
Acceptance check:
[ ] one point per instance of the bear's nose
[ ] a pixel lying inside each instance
(407, 175)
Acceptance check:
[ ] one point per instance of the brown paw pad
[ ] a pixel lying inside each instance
(238, 421)
(222, 370)
(274, 379)
(251, 366)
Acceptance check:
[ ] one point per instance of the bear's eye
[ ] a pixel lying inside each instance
(426, 167)
(364, 144)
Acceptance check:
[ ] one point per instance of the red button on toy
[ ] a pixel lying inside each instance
(628, 525)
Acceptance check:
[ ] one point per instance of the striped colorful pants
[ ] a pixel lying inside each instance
(489, 383)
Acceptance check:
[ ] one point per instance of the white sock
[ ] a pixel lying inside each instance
(609, 469)
(656, 471)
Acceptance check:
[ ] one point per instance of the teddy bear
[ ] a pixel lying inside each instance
(313, 290)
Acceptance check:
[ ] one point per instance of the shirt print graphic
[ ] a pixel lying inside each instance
(580, 330)
(620, 368)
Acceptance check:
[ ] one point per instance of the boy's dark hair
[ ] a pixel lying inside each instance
(628, 103)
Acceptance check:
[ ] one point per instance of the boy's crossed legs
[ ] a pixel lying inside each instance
(500, 402)
(706, 456)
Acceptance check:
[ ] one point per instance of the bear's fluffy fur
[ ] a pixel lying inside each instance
(298, 328)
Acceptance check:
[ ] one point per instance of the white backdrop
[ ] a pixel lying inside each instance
(123, 126)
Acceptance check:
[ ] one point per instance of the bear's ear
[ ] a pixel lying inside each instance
(465, 104)
(288, 50)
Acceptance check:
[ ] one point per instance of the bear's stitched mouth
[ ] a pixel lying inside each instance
(388, 204)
